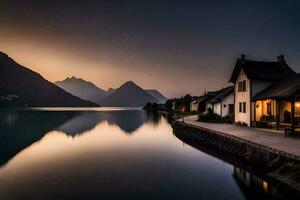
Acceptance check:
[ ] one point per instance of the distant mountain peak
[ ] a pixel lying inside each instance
(130, 84)
(82, 88)
(129, 94)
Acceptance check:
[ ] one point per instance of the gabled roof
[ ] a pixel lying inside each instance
(261, 70)
(221, 94)
(282, 89)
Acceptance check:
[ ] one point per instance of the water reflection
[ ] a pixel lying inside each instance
(20, 129)
(119, 154)
(254, 184)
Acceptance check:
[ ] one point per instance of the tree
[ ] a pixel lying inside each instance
(169, 105)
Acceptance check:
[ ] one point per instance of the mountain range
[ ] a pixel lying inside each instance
(21, 87)
(127, 95)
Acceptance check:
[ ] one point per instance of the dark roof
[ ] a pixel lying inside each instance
(261, 70)
(221, 94)
(200, 98)
(282, 89)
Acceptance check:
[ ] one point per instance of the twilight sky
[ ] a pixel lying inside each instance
(176, 48)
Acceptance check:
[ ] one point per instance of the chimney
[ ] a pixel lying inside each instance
(280, 59)
(243, 58)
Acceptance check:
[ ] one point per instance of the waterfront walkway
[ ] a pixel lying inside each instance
(274, 140)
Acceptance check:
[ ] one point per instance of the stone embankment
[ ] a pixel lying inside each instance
(277, 165)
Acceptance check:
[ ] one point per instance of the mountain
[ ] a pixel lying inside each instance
(128, 95)
(156, 94)
(109, 91)
(20, 86)
(83, 89)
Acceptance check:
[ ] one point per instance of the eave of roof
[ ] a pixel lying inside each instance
(221, 94)
(283, 89)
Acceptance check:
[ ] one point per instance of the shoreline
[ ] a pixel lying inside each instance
(277, 165)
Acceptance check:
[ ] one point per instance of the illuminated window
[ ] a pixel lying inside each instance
(265, 186)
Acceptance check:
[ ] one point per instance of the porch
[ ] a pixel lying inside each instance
(276, 114)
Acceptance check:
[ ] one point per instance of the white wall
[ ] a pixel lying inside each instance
(194, 106)
(208, 105)
(217, 108)
(242, 97)
(226, 101)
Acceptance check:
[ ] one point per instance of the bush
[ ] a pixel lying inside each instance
(228, 119)
(210, 116)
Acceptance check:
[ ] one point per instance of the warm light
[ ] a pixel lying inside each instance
(265, 186)
(297, 105)
(183, 109)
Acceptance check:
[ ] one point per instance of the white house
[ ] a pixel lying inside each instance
(223, 102)
(253, 81)
(194, 105)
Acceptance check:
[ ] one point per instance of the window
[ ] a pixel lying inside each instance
(269, 108)
(242, 107)
(231, 108)
(242, 86)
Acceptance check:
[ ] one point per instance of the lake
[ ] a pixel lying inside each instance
(105, 153)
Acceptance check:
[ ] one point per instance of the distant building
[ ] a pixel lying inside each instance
(265, 92)
(222, 103)
(194, 105)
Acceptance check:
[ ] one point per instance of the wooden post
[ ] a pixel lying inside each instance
(293, 115)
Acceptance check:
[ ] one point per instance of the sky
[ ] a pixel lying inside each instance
(177, 47)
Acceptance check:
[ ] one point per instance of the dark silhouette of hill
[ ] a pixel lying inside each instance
(129, 95)
(84, 89)
(20, 129)
(83, 122)
(156, 94)
(127, 120)
(20, 86)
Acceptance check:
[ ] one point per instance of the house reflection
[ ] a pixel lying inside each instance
(256, 187)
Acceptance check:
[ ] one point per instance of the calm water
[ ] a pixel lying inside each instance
(109, 154)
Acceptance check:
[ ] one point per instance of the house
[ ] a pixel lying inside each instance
(194, 105)
(222, 103)
(264, 91)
